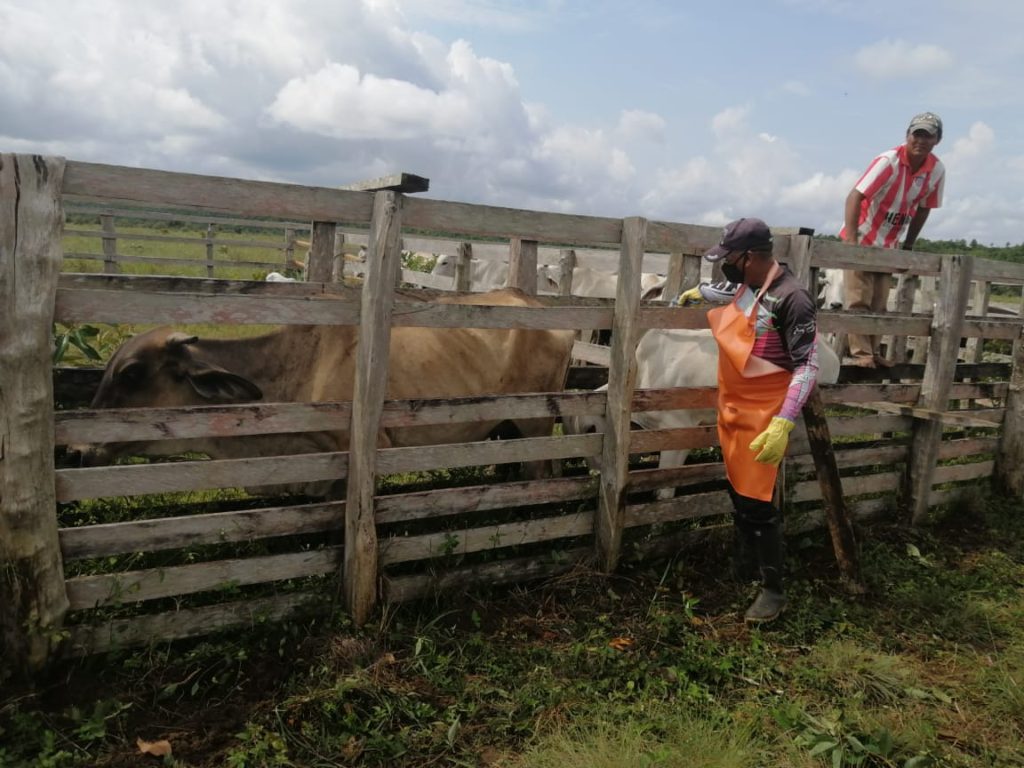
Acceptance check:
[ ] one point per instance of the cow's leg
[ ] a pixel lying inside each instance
(536, 470)
(670, 460)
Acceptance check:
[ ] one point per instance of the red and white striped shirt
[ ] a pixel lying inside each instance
(892, 195)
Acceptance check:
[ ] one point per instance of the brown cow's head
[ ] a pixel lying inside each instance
(161, 368)
(166, 368)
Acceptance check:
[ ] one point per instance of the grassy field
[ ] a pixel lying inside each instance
(652, 667)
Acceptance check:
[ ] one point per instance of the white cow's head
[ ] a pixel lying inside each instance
(830, 296)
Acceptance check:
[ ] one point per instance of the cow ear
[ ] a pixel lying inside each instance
(220, 386)
(178, 338)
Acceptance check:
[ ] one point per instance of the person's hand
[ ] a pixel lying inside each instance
(773, 441)
(688, 297)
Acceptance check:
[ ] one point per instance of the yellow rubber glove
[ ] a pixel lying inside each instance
(689, 297)
(773, 441)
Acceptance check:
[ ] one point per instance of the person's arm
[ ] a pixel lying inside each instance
(854, 200)
(915, 227)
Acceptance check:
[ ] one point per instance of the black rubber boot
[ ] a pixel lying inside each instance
(771, 601)
(744, 553)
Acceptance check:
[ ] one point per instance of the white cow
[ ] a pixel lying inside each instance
(277, 277)
(684, 358)
(484, 275)
(592, 283)
(833, 293)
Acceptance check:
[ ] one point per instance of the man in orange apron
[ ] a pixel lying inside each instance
(767, 368)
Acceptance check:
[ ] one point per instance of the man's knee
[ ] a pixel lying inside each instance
(749, 511)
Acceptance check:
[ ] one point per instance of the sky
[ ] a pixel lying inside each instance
(668, 109)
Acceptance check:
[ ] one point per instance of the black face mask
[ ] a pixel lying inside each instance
(733, 272)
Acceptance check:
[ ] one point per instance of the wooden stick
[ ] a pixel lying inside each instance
(844, 542)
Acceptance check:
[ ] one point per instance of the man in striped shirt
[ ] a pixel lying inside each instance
(895, 195)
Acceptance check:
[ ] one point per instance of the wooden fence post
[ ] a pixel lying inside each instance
(566, 266)
(464, 268)
(289, 247)
(674, 277)
(943, 351)
(321, 252)
(1009, 470)
(383, 264)
(906, 287)
(110, 265)
(33, 600)
(211, 233)
(611, 501)
(522, 265)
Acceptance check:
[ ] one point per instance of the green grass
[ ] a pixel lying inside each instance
(651, 667)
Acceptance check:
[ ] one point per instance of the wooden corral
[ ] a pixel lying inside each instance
(74, 586)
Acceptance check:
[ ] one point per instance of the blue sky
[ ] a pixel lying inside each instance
(681, 111)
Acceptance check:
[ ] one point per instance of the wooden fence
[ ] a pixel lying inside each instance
(74, 586)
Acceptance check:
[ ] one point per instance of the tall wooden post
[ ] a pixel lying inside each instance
(1009, 470)
(110, 265)
(464, 268)
(611, 502)
(32, 596)
(321, 252)
(674, 277)
(906, 287)
(383, 265)
(289, 247)
(943, 351)
(211, 233)
(566, 268)
(522, 265)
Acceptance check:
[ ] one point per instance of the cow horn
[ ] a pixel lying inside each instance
(178, 338)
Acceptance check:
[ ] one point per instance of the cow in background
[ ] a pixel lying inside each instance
(484, 275)
(591, 283)
(167, 368)
(667, 359)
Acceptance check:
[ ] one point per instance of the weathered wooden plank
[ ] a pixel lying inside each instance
(853, 457)
(75, 306)
(194, 622)
(199, 239)
(952, 473)
(178, 284)
(591, 353)
(608, 525)
(844, 540)
(403, 549)
(522, 265)
(492, 221)
(32, 599)
(163, 533)
(320, 262)
(507, 571)
(946, 418)
(134, 480)
(443, 502)
(645, 440)
(384, 263)
(829, 254)
(881, 482)
(418, 458)
(395, 182)
(691, 507)
(943, 351)
(149, 424)
(149, 215)
(213, 193)
(675, 477)
(153, 583)
(168, 261)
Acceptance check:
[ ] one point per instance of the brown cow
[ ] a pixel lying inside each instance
(164, 368)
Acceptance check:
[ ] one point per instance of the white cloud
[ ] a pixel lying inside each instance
(898, 58)
(640, 125)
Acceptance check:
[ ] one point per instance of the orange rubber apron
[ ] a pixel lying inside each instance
(751, 391)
